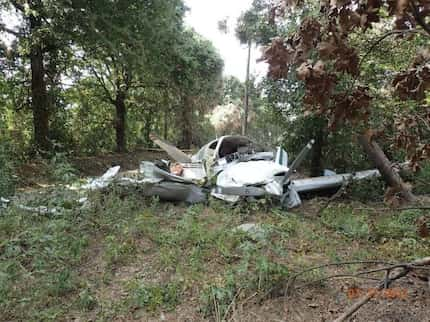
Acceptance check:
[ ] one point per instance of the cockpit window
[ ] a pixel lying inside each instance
(234, 144)
(213, 145)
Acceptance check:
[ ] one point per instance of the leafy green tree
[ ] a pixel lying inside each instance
(39, 46)
(198, 77)
(125, 46)
(323, 53)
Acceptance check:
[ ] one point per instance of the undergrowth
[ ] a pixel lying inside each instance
(123, 253)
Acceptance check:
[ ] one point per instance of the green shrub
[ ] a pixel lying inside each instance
(372, 189)
(398, 226)
(216, 298)
(154, 297)
(346, 221)
(7, 176)
(61, 170)
(87, 300)
(421, 180)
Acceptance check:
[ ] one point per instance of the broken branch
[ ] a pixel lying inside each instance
(292, 279)
(384, 284)
(338, 194)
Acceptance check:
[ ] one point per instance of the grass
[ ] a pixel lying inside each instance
(126, 256)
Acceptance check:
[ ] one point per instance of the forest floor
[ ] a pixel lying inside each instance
(122, 257)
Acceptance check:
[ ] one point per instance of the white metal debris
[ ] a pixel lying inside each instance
(333, 181)
(103, 181)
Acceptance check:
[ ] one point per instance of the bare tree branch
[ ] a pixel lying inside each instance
(383, 284)
(103, 84)
(418, 17)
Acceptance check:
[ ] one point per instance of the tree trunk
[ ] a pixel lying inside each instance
(380, 160)
(246, 112)
(39, 94)
(166, 123)
(121, 122)
(149, 122)
(317, 154)
(187, 125)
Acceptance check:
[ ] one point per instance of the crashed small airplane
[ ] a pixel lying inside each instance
(228, 168)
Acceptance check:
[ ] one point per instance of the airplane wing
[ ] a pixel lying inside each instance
(321, 183)
(172, 151)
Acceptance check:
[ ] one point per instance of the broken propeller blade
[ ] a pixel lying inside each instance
(172, 151)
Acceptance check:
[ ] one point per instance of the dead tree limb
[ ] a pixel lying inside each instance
(383, 284)
(392, 209)
(380, 160)
(342, 190)
(292, 279)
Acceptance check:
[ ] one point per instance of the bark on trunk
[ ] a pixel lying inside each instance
(380, 160)
(121, 123)
(317, 154)
(246, 112)
(39, 94)
(149, 122)
(166, 124)
(187, 126)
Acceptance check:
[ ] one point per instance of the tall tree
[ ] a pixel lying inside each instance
(322, 54)
(252, 28)
(125, 46)
(38, 43)
(198, 76)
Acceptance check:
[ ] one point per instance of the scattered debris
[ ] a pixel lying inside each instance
(4, 202)
(103, 181)
(254, 231)
(228, 168)
(42, 210)
(243, 168)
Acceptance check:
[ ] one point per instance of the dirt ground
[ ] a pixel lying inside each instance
(35, 173)
(312, 243)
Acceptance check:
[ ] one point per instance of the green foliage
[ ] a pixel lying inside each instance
(7, 174)
(420, 180)
(61, 170)
(254, 26)
(216, 299)
(399, 226)
(61, 283)
(118, 250)
(369, 190)
(347, 222)
(87, 300)
(155, 297)
(136, 54)
(126, 255)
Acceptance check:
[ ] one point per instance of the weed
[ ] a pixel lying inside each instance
(45, 262)
(61, 170)
(155, 297)
(86, 300)
(369, 190)
(216, 298)
(420, 180)
(397, 226)
(346, 221)
(7, 177)
(118, 249)
(61, 283)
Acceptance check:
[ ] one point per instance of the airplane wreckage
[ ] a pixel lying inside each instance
(228, 168)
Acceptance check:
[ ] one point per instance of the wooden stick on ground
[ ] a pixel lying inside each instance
(385, 283)
(337, 195)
